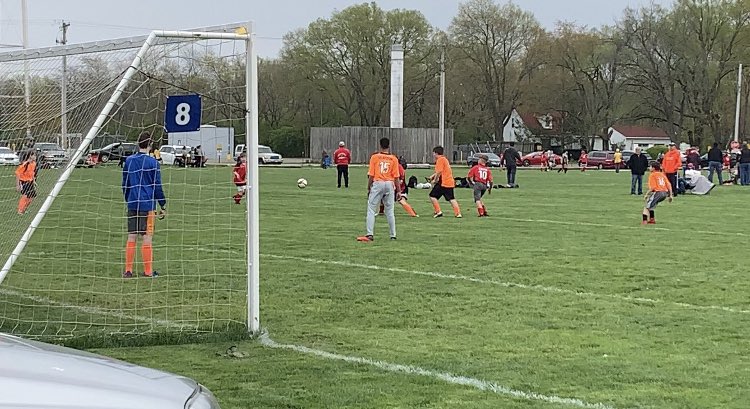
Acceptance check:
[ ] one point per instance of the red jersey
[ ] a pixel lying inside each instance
(480, 174)
(584, 158)
(727, 160)
(342, 156)
(240, 173)
(402, 177)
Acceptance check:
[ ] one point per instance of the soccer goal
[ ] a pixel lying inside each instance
(79, 109)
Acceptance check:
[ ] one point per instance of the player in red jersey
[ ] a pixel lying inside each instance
(404, 196)
(240, 178)
(583, 161)
(480, 176)
(545, 162)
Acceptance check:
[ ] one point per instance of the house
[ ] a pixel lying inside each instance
(628, 137)
(530, 126)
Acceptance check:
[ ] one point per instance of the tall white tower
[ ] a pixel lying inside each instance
(397, 86)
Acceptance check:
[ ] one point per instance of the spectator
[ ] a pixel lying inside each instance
(745, 165)
(715, 160)
(694, 158)
(510, 158)
(618, 160)
(671, 164)
(638, 164)
(341, 158)
(325, 161)
(199, 159)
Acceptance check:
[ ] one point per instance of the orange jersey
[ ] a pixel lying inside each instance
(383, 167)
(658, 182)
(446, 173)
(25, 171)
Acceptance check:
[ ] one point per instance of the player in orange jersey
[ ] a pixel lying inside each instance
(26, 180)
(382, 186)
(659, 189)
(443, 183)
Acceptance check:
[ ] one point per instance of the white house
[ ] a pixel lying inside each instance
(524, 127)
(629, 137)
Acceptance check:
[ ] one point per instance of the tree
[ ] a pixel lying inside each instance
(500, 42)
(348, 56)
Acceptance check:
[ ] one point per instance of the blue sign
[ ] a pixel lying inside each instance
(183, 113)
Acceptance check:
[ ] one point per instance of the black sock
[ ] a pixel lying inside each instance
(644, 217)
(651, 213)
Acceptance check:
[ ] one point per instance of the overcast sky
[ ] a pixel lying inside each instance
(93, 20)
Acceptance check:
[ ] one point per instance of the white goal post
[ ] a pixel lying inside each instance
(245, 34)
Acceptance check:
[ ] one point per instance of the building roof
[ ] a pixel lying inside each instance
(645, 132)
(533, 121)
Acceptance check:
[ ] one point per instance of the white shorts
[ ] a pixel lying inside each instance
(241, 188)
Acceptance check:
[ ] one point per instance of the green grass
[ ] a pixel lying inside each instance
(560, 292)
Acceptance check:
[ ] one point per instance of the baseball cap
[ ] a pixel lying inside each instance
(341, 143)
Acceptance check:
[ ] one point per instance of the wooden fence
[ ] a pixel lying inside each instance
(414, 144)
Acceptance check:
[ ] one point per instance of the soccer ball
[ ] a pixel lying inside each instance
(301, 183)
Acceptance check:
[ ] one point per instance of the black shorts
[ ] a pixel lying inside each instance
(28, 189)
(439, 191)
(141, 222)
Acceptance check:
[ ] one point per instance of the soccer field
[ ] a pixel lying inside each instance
(559, 299)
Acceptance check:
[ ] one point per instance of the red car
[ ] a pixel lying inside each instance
(602, 160)
(535, 159)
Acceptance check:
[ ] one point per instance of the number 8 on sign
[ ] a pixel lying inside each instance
(183, 114)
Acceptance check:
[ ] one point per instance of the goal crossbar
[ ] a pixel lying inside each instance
(251, 122)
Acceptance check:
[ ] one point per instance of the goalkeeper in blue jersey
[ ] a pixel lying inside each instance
(141, 185)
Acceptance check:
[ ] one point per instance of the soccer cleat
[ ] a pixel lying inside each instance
(152, 275)
(393, 238)
(416, 215)
(651, 221)
(127, 274)
(643, 223)
(365, 238)
(438, 214)
(459, 216)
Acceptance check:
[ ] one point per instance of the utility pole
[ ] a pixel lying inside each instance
(26, 79)
(441, 126)
(64, 88)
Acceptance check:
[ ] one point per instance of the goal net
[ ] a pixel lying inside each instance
(94, 100)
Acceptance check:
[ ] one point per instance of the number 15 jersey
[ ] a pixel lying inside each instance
(383, 167)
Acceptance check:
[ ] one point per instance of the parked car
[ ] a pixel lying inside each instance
(49, 154)
(173, 154)
(38, 375)
(535, 159)
(602, 159)
(265, 154)
(115, 151)
(8, 157)
(473, 159)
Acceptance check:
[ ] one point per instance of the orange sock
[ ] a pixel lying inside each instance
(409, 209)
(129, 256)
(27, 203)
(21, 204)
(147, 252)
(480, 210)
(456, 209)
(436, 206)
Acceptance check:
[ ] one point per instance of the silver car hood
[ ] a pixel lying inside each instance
(35, 375)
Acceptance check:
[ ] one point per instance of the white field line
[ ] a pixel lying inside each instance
(531, 287)
(443, 376)
(614, 226)
(94, 310)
